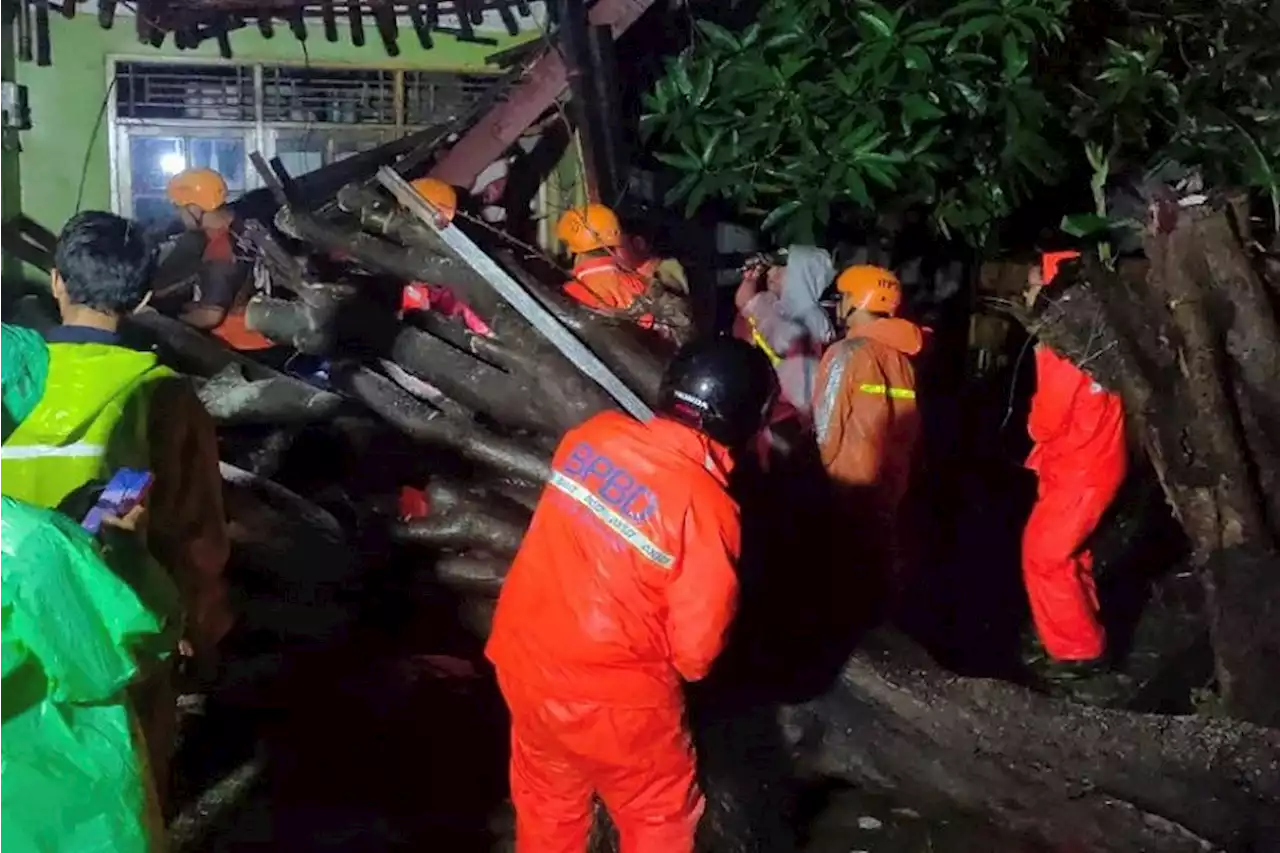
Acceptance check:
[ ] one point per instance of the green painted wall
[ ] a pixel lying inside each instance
(67, 97)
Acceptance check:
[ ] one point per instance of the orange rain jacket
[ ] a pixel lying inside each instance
(608, 283)
(625, 583)
(865, 412)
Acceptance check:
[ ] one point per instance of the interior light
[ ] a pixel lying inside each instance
(172, 163)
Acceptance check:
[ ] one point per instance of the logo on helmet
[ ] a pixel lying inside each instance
(692, 400)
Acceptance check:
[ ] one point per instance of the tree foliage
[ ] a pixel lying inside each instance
(966, 109)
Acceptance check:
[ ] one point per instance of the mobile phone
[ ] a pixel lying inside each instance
(127, 488)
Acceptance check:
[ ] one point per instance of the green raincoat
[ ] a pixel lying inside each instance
(73, 774)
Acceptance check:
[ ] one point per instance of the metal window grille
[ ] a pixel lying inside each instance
(433, 97)
(163, 90)
(328, 96)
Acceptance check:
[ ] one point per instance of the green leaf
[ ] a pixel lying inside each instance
(709, 149)
(980, 26)
(918, 108)
(683, 162)
(970, 7)
(881, 175)
(917, 58)
(925, 32)
(870, 145)
(1085, 224)
(858, 189)
(752, 35)
(779, 213)
(881, 28)
(859, 135)
(680, 74)
(783, 40)
(975, 101)
(1015, 58)
(697, 195)
(703, 75)
(680, 189)
(719, 36)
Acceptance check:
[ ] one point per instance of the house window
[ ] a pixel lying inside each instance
(168, 116)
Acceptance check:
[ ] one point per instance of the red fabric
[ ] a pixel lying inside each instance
(420, 296)
(239, 336)
(623, 588)
(413, 503)
(639, 761)
(1080, 456)
(219, 245)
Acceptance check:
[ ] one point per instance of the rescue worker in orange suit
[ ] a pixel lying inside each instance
(623, 589)
(214, 297)
(1081, 460)
(865, 416)
(610, 277)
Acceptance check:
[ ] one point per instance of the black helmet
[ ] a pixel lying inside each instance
(720, 387)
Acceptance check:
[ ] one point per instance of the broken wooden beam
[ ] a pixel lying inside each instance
(545, 82)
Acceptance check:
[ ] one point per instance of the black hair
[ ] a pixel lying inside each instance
(105, 262)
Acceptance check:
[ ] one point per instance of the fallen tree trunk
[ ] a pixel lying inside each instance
(1078, 777)
(1194, 350)
(423, 423)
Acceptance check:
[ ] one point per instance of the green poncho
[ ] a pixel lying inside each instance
(73, 776)
(24, 367)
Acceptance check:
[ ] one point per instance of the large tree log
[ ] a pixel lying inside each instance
(1194, 350)
(554, 392)
(1079, 777)
(423, 423)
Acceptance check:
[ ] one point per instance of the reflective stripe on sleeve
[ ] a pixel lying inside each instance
(79, 450)
(612, 519)
(895, 393)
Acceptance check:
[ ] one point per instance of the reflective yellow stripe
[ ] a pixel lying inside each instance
(759, 340)
(895, 393)
(612, 520)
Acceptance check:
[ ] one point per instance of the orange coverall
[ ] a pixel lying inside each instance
(1081, 459)
(868, 426)
(624, 587)
(610, 283)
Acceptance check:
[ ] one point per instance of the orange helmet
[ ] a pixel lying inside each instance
(204, 188)
(442, 197)
(874, 289)
(584, 229)
(1050, 261)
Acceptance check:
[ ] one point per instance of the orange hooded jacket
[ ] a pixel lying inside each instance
(865, 411)
(625, 582)
(611, 283)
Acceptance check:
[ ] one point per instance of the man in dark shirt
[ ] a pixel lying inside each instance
(213, 295)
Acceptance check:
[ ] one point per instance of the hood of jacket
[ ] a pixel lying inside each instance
(808, 274)
(894, 332)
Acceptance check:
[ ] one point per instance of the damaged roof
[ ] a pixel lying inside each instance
(191, 22)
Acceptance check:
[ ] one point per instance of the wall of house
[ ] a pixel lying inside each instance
(68, 141)
(10, 183)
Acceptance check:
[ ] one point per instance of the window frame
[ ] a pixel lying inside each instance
(259, 135)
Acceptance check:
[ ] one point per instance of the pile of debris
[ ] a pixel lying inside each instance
(471, 352)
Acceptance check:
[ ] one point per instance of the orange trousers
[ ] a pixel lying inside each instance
(1058, 570)
(639, 761)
